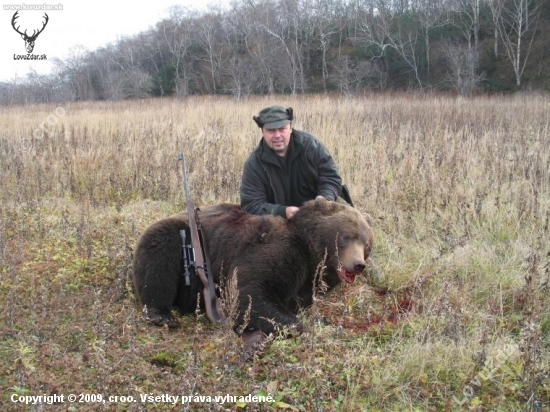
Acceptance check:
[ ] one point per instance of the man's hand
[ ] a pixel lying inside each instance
(291, 211)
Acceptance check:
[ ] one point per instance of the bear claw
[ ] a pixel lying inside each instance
(253, 343)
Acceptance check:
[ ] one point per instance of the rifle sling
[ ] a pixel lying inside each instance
(209, 274)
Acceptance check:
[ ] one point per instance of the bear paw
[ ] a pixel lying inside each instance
(160, 317)
(254, 342)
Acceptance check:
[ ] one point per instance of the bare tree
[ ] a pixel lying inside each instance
(343, 76)
(496, 10)
(208, 35)
(239, 69)
(385, 27)
(468, 22)
(152, 53)
(77, 74)
(177, 36)
(247, 21)
(293, 63)
(125, 77)
(284, 26)
(326, 21)
(350, 77)
(517, 24)
(462, 73)
(431, 14)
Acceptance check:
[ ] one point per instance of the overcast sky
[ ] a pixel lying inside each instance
(80, 23)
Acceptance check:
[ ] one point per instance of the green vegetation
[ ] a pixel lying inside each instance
(459, 193)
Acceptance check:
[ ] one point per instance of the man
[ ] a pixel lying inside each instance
(287, 168)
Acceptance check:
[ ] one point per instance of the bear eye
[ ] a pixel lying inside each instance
(346, 238)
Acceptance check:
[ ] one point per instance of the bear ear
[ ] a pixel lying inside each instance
(368, 218)
(323, 205)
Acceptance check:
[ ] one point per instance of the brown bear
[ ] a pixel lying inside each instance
(276, 262)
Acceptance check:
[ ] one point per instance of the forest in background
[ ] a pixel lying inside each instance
(262, 47)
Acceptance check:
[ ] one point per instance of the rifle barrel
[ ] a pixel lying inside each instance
(181, 157)
(199, 263)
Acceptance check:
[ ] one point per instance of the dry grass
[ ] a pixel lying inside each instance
(459, 190)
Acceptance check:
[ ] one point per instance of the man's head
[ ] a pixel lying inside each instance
(275, 122)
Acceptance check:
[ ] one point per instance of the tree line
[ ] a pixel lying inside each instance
(309, 46)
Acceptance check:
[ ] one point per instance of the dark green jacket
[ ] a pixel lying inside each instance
(266, 188)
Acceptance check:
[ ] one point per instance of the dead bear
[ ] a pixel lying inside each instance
(275, 261)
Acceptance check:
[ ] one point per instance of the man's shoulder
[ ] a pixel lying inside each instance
(303, 135)
(254, 159)
(307, 140)
(256, 153)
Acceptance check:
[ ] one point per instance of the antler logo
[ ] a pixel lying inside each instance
(29, 40)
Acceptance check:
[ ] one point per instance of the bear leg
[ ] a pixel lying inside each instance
(269, 317)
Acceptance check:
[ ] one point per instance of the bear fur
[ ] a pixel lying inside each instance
(276, 262)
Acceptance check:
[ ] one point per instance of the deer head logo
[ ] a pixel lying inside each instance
(29, 40)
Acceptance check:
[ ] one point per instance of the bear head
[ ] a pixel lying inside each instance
(339, 231)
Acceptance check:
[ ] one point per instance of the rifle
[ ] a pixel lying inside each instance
(201, 261)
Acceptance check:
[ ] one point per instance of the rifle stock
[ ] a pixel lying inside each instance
(199, 252)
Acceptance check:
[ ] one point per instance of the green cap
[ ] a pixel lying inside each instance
(274, 117)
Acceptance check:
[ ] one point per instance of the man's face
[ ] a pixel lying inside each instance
(278, 139)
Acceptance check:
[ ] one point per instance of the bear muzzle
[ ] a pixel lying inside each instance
(348, 276)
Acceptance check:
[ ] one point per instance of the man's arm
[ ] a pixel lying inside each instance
(330, 182)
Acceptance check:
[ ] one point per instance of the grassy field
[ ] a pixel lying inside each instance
(459, 192)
